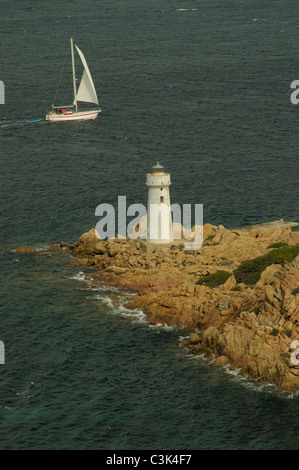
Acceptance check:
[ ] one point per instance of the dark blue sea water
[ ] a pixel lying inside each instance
(203, 87)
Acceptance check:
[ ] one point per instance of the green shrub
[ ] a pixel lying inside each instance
(274, 332)
(214, 280)
(210, 237)
(277, 245)
(295, 291)
(250, 271)
(257, 309)
(237, 288)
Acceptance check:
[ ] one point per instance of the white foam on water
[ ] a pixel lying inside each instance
(27, 393)
(42, 248)
(184, 338)
(17, 122)
(187, 9)
(116, 307)
(104, 288)
(250, 384)
(162, 326)
(247, 382)
(79, 276)
(104, 299)
(199, 357)
(244, 381)
(136, 315)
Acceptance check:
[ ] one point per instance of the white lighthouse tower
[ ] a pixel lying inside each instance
(159, 220)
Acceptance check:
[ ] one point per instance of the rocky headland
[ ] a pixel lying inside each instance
(238, 306)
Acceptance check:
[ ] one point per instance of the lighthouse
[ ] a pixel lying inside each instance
(159, 220)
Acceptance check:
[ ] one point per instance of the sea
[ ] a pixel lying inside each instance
(204, 88)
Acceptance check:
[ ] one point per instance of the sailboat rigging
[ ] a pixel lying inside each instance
(85, 93)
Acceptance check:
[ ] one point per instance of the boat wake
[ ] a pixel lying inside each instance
(10, 123)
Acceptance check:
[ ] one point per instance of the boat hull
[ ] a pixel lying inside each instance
(79, 116)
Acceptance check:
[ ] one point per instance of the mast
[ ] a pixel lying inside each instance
(74, 76)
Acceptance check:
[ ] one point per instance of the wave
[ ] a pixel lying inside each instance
(243, 380)
(187, 9)
(80, 276)
(136, 315)
(162, 326)
(262, 387)
(116, 305)
(27, 392)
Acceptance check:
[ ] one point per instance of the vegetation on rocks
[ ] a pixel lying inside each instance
(277, 245)
(215, 279)
(251, 327)
(250, 271)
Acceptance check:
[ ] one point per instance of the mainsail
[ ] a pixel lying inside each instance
(86, 91)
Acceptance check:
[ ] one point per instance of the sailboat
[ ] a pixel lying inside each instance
(85, 93)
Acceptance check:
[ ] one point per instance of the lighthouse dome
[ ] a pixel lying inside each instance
(158, 168)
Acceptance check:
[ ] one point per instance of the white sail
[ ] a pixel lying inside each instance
(86, 91)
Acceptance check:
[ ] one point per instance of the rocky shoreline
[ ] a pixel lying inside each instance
(250, 326)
